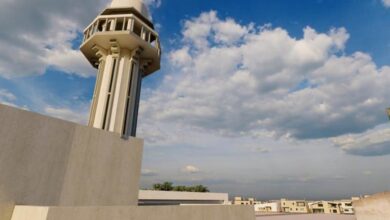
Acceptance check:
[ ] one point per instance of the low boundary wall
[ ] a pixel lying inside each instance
(135, 213)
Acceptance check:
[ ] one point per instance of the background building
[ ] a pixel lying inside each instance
(324, 207)
(242, 201)
(293, 206)
(150, 197)
(268, 207)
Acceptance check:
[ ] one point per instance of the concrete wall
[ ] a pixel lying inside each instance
(376, 207)
(50, 162)
(139, 213)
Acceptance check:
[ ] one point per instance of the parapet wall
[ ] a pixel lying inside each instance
(376, 207)
(135, 213)
(51, 162)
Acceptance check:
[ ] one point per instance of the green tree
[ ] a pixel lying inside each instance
(167, 186)
(157, 187)
(201, 188)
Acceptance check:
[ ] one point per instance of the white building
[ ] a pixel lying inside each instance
(268, 207)
(150, 197)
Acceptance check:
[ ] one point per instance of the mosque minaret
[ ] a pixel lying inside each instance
(123, 45)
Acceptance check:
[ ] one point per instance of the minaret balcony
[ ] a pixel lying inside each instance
(129, 31)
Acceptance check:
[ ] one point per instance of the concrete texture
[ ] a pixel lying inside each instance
(6, 211)
(139, 213)
(376, 207)
(50, 162)
(307, 217)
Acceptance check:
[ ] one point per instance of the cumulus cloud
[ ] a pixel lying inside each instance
(153, 3)
(39, 35)
(7, 98)
(386, 3)
(148, 173)
(372, 143)
(261, 80)
(262, 150)
(190, 169)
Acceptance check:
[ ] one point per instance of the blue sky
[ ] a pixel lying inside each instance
(263, 98)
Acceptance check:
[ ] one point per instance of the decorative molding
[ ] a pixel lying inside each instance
(115, 48)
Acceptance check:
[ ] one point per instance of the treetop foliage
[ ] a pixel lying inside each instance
(168, 186)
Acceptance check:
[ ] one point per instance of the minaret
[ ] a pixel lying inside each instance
(123, 45)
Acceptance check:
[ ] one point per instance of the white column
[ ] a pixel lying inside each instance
(102, 98)
(119, 95)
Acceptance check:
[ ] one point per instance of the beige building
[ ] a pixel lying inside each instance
(332, 207)
(242, 201)
(324, 207)
(293, 206)
(346, 207)
(267, 207)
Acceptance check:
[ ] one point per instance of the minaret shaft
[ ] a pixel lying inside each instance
(117, 93)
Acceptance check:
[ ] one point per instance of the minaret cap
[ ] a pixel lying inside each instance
(139, 5)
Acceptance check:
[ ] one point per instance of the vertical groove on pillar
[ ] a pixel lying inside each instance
(107, 112)
(136, 105)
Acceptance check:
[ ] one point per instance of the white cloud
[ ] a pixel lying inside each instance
(153, 3)
(38, 35)
(7, 98)
(367, 172)
(190, 169)
(77, 116)
(198, 30)
(372, 143)
(262, 150)
(6, 95)
(264, 81)
(386, 3)
(148, 173)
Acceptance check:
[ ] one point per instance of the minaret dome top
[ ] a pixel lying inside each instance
(139, 5)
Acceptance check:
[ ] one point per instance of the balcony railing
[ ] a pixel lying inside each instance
(128, 23)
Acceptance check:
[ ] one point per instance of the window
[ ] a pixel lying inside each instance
(109, 24)
(137, 28)
(153, 40)
(102, 25)
(119, 24)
